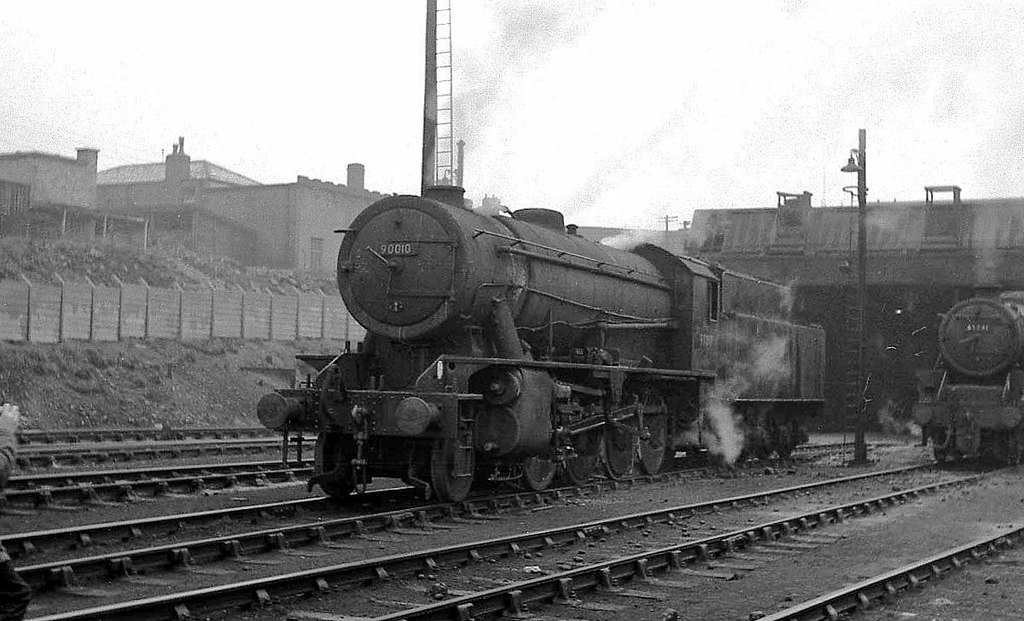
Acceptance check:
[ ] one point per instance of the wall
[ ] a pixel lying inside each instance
(54, 179)
(138, 197)
(286, 217)
(321, 209)
(50, 313)
(267, 210)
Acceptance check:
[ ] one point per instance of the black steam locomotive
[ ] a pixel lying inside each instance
(969, 405)
(506, 349)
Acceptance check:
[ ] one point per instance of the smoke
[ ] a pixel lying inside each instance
(895, 419)
(723, 424)
(627, 240)
(526, 34)
(985, 233)
(755, 366)
(491, 206)
(886, 220)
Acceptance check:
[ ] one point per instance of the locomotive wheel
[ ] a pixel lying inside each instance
(619, 449)
(330, 452)
(579, 469)
(654, 438)
(538, 473)
(448, 486)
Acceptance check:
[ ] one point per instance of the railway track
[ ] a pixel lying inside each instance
(911, 576)
(32, 437)
(75, 447)
(72, 447)
(26, 544)
(98, 487)
(35, 456)
(653, 569)
(65, 575)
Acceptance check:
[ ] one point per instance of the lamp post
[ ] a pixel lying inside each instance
(858, 164)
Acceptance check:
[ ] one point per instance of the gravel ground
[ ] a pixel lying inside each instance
(618, 503)
(770, 580)
(985, 591)
(610, 504)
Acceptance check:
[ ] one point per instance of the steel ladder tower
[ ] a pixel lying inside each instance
(438, 162)
(445, 173)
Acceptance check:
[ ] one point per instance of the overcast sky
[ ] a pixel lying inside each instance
(616, 112)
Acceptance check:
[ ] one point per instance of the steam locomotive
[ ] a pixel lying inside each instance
(508, 349)
(969, 405)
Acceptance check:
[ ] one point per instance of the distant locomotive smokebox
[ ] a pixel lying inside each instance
(980, 337)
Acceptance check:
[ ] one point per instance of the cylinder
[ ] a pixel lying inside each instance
(275, 411)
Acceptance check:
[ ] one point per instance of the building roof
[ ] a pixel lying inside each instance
(895, 227)
(154, 173)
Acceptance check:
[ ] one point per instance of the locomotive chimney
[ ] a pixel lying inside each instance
(447, 194)
(356, 176)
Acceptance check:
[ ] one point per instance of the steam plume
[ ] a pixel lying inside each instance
(756, 366)
(627, 240)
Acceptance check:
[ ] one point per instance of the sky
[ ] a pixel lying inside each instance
(618, 112)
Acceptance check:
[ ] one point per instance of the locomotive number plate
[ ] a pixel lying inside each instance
(397, 249)
(977, 327)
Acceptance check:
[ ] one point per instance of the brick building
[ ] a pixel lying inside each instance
(54, 179)
(46, 195)
(211, 209)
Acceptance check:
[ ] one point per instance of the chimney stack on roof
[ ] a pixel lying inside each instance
(177, 166)
(87, 157)
(356, 177)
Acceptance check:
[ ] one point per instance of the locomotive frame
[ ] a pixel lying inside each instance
(507, 349)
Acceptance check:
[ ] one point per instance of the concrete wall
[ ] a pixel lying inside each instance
(50, 313)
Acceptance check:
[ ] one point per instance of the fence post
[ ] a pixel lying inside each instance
(213, 314)
(298, 313)
(270, 321)
(120, 305)
(181, 312)
(60, 309)
(28, 308)
(92, 309)
(323, 312)
(145, 314)
(241, 328)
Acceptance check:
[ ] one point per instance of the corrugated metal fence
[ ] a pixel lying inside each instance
(51, 313)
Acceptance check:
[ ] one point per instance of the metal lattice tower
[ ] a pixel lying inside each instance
(444, 173)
